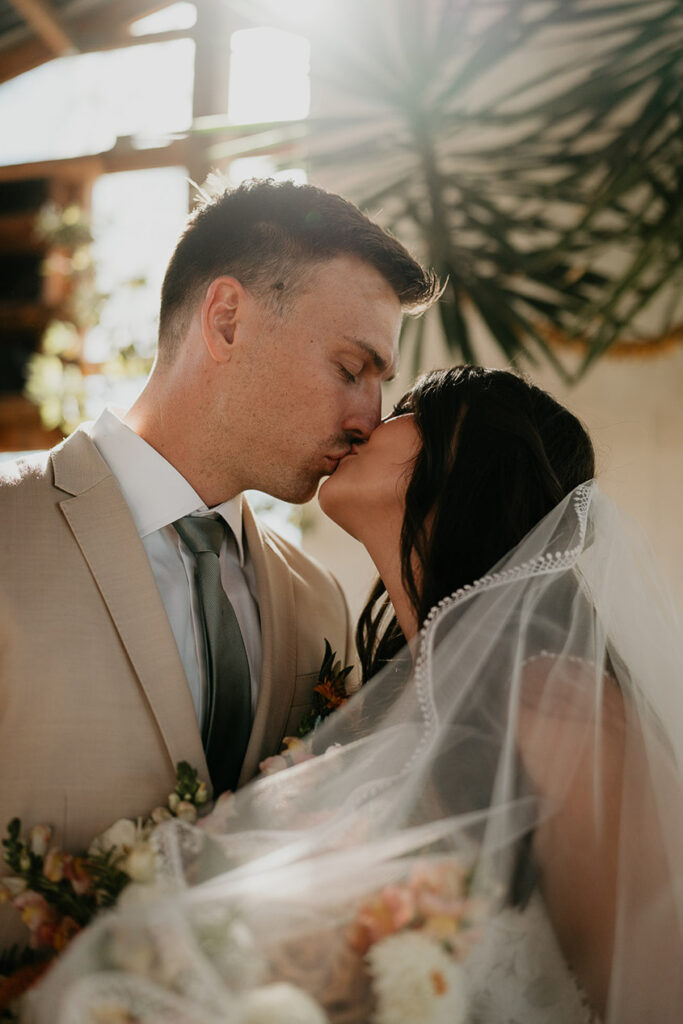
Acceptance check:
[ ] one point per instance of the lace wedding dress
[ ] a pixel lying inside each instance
(517, 974)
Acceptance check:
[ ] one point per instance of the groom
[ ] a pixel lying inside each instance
(147, 616)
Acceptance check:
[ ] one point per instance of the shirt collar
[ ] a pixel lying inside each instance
(156, 493)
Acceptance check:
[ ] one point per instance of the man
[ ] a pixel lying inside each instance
(280, 313)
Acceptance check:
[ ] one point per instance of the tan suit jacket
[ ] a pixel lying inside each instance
(95, 709)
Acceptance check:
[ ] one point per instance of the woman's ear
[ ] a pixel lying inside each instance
(219, 316)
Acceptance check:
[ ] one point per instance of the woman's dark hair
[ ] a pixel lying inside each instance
(497, 455)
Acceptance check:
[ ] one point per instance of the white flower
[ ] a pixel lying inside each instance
(131, 950)
(121, 836)
(231, 947)
(414, 979)
(173, 801)
(138, 894)
(160, 814)
(186, 811)
(10, 886)
(140, 864)
(283, 1003)
(39, 839)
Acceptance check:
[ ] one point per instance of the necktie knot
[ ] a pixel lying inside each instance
(201, 534)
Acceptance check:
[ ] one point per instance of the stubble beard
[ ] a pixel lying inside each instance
(299, 484)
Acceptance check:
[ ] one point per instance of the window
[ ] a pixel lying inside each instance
(269, 76)
(76, 106)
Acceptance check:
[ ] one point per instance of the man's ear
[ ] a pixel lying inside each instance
(220, 312)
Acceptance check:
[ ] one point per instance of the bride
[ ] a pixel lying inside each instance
(492, 830)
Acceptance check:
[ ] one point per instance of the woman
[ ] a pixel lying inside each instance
(515, 766)
(469, 461)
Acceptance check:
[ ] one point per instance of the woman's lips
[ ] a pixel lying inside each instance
(333, 461)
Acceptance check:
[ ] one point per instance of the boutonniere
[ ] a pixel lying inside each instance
(329, 693)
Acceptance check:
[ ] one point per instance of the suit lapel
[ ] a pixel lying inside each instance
(104, 530)
(278, 632)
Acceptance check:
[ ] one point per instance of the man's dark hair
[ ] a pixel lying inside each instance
(270, 235)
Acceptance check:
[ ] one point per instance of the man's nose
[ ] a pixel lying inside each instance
(365, 415)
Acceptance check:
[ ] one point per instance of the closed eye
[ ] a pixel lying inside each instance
(349, 377)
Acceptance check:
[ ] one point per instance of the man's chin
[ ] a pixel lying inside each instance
(297, 493)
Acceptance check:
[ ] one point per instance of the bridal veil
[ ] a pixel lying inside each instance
(532, 737)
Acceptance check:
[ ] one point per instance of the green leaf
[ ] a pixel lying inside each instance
(516, 178)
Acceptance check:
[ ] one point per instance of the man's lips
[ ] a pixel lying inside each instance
(334, 460)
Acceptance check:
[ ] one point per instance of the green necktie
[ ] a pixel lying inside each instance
(228, 718)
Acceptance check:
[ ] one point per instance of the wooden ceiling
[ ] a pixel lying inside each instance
(35, 31)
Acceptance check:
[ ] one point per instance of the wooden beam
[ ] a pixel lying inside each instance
(15, 60)
(77, 169)
(90, 30)
(119, 39)
(180, 152)
(110, 17)
(42, 18)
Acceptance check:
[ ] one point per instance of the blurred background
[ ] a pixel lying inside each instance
(529, 150)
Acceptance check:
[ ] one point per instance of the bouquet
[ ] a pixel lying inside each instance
(397, 947)
(58, 894)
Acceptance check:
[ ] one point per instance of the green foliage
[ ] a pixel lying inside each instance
(530, 151)
(187, 781)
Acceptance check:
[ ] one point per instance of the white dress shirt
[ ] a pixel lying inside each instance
(157, 496)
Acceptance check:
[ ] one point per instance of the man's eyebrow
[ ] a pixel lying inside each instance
(378, 361)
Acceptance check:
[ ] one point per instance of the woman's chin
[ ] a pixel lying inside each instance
(336, 505)
(326, 497)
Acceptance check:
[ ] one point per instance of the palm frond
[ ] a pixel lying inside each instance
(530, 152)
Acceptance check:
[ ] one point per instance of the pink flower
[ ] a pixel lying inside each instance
(79, 876)
(273, 764)
(389, 912)
(446, 878)
(401, 904)
(55, 863)
(432, 904)
(294, 751)
(38, 916)
(440, 892)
